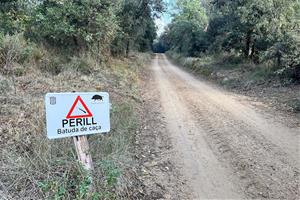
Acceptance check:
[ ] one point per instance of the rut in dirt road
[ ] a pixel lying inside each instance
(224, 148)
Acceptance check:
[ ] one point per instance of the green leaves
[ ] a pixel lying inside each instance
(192, 11)
(13, 16)
(138, 30)
(258, 30)
(111, 171)
(74, 24)
(94, 25)
(186, 32)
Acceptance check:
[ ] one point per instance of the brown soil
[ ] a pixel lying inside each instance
(159, 176)
(219, 144)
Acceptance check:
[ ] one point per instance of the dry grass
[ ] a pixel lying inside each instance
(33, 167)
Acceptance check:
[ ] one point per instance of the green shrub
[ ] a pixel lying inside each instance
(285, 55)
(38, 53)
(83, 64)
(232, 59)
(51, 64)
(190, 62)
(205, 71)
(229, 83)
(111, 171)
(19, 71)
(65, 24)
(1, 37)
(74, 183)
(294, 104)
(261, 73)
(5, 85)
(13, 49)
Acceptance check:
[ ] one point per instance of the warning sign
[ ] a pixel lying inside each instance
(74, 114)
(83, 108)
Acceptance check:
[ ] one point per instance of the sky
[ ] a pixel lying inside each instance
(166, 17)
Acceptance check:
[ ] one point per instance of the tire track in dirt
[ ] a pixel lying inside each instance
(159, 176)
(249, 149)
(206, 176)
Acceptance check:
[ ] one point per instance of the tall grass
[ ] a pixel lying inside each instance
(33, 167)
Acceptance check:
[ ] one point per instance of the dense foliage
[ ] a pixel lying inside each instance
(67, 45)
(261, 31)
(137, 29)
(100, 26)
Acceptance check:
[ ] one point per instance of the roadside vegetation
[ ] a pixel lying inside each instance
(63, 46)
(240, 44)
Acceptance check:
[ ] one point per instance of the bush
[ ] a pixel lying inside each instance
(37, 53)
(294, 104)
(13, 49)
(18, 71)
(285, 55)
(5, 85)
(51, 64)
(83, 64)
(232, 58)
(73, 25)
(261, 73)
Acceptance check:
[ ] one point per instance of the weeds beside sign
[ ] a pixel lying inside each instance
(76, 114)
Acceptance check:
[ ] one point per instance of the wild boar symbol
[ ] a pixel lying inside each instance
(97, 98)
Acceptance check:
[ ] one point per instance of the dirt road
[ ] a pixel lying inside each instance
(225, 148)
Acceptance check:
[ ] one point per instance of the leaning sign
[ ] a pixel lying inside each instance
(77, 114)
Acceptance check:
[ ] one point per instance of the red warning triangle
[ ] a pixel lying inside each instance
(86, 109)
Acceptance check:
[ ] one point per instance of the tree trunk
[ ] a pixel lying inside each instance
(278, 59)
(278, 56)
(252, 52)
(79, 45)
(297, 73)
(127, 48)
(75, 41)
(247, 45)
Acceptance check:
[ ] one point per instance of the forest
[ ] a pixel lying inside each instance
(164, 120)
(63, 46)
(263, 32)
(101, 27)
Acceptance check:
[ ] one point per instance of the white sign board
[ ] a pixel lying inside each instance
(74, 114)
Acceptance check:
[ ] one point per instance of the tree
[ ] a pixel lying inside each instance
(75, 24)
(13, 16)
(258, 30)
(185, 33)
(137, 25)
(256, 24)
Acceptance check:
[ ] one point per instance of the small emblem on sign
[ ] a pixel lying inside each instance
(97, 99)
(52, 100)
